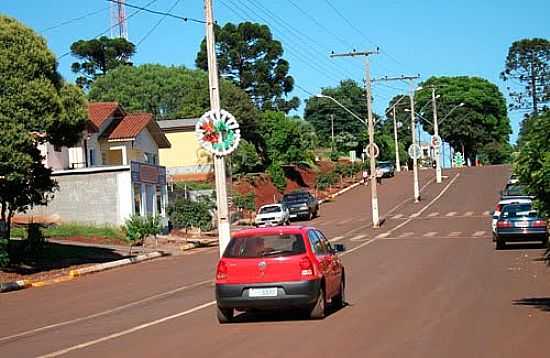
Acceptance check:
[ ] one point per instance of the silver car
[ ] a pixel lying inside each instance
(272, 215)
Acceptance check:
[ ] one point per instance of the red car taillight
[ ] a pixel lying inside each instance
(539, 223)
(499, 206)
(221, 272)
(504, 223)
(306, 267)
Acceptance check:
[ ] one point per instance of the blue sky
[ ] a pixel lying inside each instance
(426, 37)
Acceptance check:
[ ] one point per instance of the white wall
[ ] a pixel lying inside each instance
(145, 143)
(125, 199)
(52, 158)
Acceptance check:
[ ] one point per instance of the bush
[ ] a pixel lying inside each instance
(188, 214)
(324, 180)
(4, 257)
(334, 156)
(138, 228)
(35, 240)
(277, 175)
(245, 202)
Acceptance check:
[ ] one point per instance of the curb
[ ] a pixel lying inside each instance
(113, 264)
(14, 286)
(340, 192)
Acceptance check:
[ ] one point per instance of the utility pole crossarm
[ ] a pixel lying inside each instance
(355, 53)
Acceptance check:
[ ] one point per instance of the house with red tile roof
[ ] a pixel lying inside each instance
(112, 173)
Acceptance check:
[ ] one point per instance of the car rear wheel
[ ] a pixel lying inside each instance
(319, 310)
(225, 315)
(501, 244)
(340, 299)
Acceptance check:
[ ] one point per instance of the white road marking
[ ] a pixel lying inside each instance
(128, 331)
(358, 237)
(106, 312)
(430, 234)
(452, 213)
(383, 235)
(454, 234)
(486, 213)
(345, 221)
(406, 234)
(415, 215)
(431, 215)
(336, 238)
(398, 216)
(469, 213)
(478, 233)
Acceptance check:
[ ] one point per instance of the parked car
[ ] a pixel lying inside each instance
(272, 215)
(520, 222)
(278, 268)
(500, 205)
(513, 180)
(301, 204)
(386, 169)
(514, 191)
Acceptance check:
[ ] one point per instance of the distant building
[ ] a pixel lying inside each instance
(112, 173)
(185, 159)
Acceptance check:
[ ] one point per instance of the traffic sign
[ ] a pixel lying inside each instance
(415, 152)
(436, 141)
(376, 150)
(459, 160)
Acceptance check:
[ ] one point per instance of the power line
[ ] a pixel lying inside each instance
(74, 20)
(144, 8)
(158, 23)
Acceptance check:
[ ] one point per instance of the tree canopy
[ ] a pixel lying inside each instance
(527, 70)
(481, 120)
(318, 112)
(36, 105)
(248, 55)
(99, 56)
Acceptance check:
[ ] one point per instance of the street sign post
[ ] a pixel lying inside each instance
(436, 141)
(376, 150)
(415, 152)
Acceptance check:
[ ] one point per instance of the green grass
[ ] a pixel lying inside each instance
(194, 185)
(70, 230)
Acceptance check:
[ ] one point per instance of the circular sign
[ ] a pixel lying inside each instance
(436, 141)
(218, 132)
(376, 150)
(415, 152)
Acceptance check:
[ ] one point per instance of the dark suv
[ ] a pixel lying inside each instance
(301, 204)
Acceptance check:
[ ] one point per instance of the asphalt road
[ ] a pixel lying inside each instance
(429, 283)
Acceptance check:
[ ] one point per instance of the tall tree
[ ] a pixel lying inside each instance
(248, 54)
(403, 121)
(481, 120)
(98, 56)
(318, 112)
(36, 105)
(528, 64)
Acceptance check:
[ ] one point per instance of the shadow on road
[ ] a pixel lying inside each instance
(524, 246)
(542, 303)
(274, 316)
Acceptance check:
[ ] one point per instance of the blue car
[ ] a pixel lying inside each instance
(520, 223)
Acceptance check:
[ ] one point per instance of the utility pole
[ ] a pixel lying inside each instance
(436, 134)
(224, 230)
(410, 80)
(397, 163)
(332, 132)
(370, 124)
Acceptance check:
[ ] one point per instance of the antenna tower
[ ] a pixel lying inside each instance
(119, 27)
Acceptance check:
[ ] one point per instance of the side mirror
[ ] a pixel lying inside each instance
(339, 247)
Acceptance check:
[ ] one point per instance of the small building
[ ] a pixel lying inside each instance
(185, 159)
(112, 173)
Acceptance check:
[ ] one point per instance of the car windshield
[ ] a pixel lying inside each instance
(295, 197)
(270, 209)
(514, 190)
(385, 165)
(265, 246)
(518, 211)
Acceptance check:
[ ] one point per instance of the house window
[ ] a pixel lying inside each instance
(150, 158)
(92, 157)
(137, 199)
(149, 199)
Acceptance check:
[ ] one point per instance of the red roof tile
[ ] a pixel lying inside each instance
(99, 112)
(131, 125)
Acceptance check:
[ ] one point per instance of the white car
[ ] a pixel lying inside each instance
(513, 180)
(272, 215)
(499, 207)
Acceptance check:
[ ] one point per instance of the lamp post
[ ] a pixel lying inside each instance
(374, 194)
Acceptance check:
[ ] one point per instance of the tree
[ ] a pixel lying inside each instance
(175, 92)
(481, 120)
(533, 162)
(99, 56)
(318, 111)
(528, 64)
(245, 159)
(248, 55)
(36, 105)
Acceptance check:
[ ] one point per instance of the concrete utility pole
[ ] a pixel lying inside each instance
(397, 163)
(224, 230)
(436, 134)
(410, 80)
(370, 124)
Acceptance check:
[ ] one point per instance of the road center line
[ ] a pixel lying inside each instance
(106, 312)
(127, 331)
(336, 238)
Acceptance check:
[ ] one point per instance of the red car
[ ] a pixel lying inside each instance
(276, 268)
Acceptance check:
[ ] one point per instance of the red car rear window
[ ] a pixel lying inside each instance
(265, 246)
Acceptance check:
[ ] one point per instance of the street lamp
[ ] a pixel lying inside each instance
(374, 194)
(396, 143)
